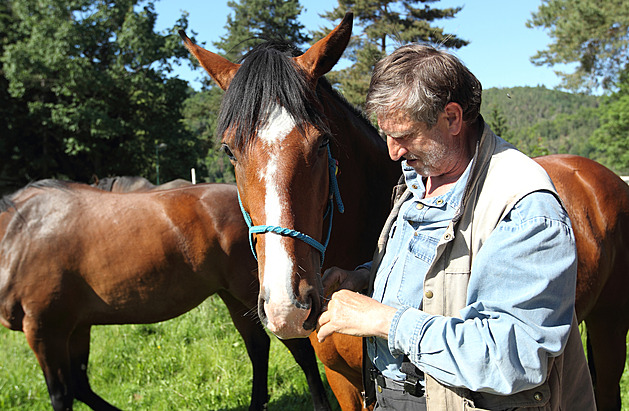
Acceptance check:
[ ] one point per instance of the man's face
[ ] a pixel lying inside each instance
(425, 149)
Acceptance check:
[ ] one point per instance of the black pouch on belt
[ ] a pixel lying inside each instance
(414, 375)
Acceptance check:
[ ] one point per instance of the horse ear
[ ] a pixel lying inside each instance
(219, 68)
(325, 53)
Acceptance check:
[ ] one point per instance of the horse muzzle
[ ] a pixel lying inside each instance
(290, 318)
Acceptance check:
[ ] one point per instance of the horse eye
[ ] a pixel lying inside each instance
(225, 149)
(324, 142)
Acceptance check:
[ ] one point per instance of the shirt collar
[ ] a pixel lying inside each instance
(415, 184)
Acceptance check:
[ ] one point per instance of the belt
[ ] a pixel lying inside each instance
(409, 385)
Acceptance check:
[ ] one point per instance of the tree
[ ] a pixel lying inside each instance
(594, 34)
(200, 116)
(91, 78)
(498, 123)
(385, 23)
(253, 21)
(611, 139)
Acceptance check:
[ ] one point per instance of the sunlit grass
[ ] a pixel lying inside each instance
(196, 361)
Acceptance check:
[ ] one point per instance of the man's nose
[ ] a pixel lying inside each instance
(396, 150)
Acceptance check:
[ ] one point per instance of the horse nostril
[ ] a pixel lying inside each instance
(314, 304)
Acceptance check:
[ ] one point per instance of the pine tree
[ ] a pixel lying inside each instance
(385, 24)
(253, 21)
(594, 34)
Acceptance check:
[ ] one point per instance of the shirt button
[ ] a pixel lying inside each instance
(419, 206)
(379, 389)
(428, 294)
(371, 340)
(415, 186)
(439, 202)
(447, 237)
(538, 396)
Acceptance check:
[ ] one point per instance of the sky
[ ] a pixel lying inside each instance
(498, 54)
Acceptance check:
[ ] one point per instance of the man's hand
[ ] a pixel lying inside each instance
(355, 314)
(335, 279)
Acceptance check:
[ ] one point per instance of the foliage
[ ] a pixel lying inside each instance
(594, 34)
(193, 362)
(200, 116)
(541, 121)
(255, 20)
(612, 138)
(87, 84)
(384, 23)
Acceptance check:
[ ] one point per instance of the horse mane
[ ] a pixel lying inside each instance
(268, 77)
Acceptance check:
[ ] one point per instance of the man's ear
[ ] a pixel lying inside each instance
(454, 115)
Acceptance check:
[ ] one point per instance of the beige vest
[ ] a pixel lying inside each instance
(500, 177)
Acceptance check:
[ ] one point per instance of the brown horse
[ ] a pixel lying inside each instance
(73, 256)
(281, 119)
(597, 201)
(126, 184)
(277, 119)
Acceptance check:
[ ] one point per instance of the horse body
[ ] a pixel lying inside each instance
(276, 145)
(73, 256)
(597, 201)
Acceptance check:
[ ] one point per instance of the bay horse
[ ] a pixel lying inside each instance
(279, 117)
(73, 256)
(125, 184)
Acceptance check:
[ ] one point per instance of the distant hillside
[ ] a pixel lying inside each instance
(542, 121)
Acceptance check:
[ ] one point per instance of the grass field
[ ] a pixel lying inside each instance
(194, 362)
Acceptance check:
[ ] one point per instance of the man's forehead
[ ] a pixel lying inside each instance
(397, 124)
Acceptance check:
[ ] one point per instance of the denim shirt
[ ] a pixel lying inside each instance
(410, 250)
(524, 257)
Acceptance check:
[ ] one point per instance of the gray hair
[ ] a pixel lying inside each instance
(421, 80)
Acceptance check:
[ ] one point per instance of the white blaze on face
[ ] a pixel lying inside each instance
(278, 266)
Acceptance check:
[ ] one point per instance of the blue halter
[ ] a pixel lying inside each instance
(335, 196)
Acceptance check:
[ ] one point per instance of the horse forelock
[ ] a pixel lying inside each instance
(268, 78)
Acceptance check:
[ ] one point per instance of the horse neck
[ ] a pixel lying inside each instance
(360, 150)
(366, 178)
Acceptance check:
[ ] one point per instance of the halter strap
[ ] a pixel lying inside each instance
(335, 196)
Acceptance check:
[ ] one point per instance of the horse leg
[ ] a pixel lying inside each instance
(258, 345)
(609, 352)
(304, 354)
(348, 396)
(79, 351)
(51, 350)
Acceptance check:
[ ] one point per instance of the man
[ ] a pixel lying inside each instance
(472, 286)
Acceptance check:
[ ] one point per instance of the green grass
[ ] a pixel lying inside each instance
(196, 361)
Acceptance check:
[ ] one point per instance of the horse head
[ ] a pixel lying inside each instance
(275, 132)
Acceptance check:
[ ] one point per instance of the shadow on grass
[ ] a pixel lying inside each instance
(297, 401)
